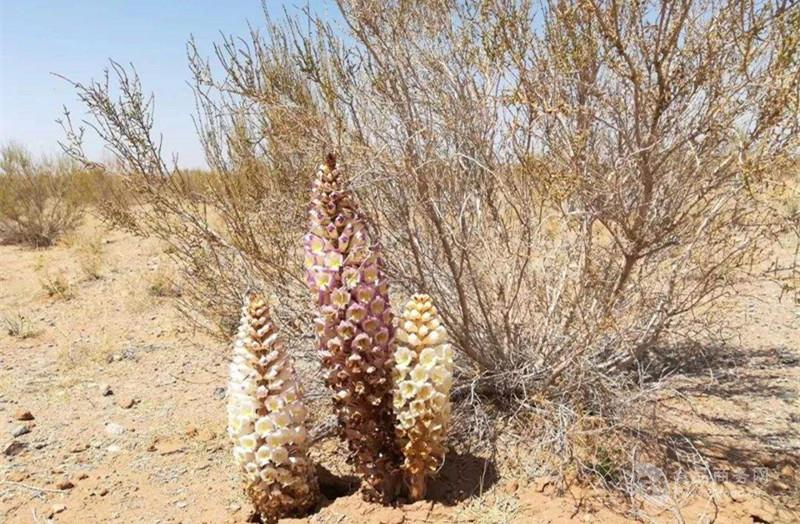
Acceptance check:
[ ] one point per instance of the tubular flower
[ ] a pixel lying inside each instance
(355, 330)
(423, 376)
(266, 419)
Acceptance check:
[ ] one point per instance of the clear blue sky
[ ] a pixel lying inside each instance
(76, 38)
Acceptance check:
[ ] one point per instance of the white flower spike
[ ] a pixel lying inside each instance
(266, 420)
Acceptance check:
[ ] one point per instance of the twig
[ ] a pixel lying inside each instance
(201, 383)
(33, 488)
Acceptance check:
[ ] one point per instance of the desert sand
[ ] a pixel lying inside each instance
(118, 408)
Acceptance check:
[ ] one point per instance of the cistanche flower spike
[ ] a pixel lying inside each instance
(355, 330)
(267, 419)
(423, 376)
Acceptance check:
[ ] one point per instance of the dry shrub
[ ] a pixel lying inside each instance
(227, 228)
(161, 283)
(43, 200)
(38, 203)
(57, 285)
(572, 182)
(18, 325)
(90, 253)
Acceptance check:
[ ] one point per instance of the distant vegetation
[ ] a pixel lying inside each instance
(43, 199)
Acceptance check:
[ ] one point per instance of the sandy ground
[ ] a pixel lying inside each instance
(127, 413)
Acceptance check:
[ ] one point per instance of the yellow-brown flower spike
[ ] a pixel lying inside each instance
(266, 420)
(423, 375)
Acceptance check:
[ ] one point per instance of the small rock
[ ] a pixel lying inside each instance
(234, 507)
(15, 447)
(191, 431)
(65, 484)
(79, 447)
(114, 429)
(219, 393)
(181, 504)
(81, 476)
(779, 486)
(170, 448)
(512, 487)
(106, 390)
(103, 492)
(23, 415)
(113, 448)
(17, 476)
(57, 508)
(126, 402)
(20, 430)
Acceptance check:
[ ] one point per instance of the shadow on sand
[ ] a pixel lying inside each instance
(462, 476)
(737, 404)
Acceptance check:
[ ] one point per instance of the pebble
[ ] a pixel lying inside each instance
(78, 447)
(113, 428)
(65, 484)
(23, 415)
(777, 484)
(113, 448)
(234, 507)
(219, 393)
(20, 430)
(17, 476)
(106, 389)
(57, 508)
(126, 402)
(15, 447)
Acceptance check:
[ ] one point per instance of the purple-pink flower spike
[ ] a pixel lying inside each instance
(354, 329)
